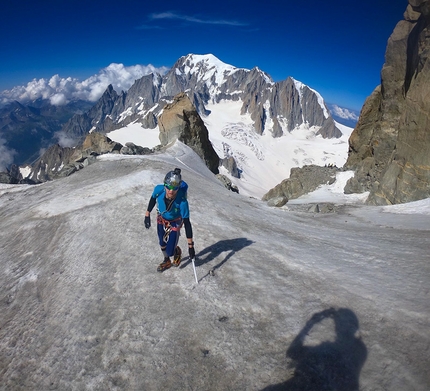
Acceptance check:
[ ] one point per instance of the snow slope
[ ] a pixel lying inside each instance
(342, 296)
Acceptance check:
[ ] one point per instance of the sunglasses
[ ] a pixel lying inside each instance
(171, 187)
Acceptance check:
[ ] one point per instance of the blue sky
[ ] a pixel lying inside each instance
(336, 47)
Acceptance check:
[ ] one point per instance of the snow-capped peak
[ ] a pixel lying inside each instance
(207, 68)
(299, 87)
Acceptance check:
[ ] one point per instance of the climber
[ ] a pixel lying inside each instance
(172, 213)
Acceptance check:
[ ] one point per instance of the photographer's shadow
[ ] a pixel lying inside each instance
(210, 253)
(331, 365)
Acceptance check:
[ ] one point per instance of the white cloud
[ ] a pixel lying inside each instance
(6, 155)
(64, 140)
(58, 99)
(62, 90)
(344, 113)
(193, 19)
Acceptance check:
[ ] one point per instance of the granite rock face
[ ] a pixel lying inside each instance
(98, 118)
(50, 163)
(302, 181)
(59, 161)
(180, 121)
(389, 149)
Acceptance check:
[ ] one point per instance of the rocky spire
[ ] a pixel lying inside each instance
(180, 121)
(389, 149)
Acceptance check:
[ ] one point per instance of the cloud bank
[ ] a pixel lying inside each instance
(344, 113)
(6, 155)
(62, 90)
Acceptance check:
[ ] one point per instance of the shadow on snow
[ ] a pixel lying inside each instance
(231, 246)
(331, 365)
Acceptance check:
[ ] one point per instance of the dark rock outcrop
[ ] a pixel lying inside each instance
(133, 149)
(5, 177)
(99, 144)
(59, 161)
(180, 121)
(14, 176)
(230, 164)
(301, 181)
(389, 149)
(51, 163)
(227, 183)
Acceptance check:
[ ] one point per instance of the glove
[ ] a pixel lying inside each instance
(147, 222)
(191, 252)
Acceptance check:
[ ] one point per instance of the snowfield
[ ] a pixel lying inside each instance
(263, 161)
(286, 299)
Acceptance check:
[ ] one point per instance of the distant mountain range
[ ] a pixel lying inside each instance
(26, 130)
(274, 107)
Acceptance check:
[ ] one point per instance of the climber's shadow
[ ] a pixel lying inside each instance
(230, 246)
(330, 365)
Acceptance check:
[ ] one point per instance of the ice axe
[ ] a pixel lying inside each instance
(194, 269)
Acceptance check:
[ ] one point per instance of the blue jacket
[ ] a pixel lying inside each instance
(178, 208)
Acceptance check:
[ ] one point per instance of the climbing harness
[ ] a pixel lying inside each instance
(168, 228)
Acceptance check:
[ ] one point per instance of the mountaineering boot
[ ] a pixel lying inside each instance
(177, 256)
(164, 265)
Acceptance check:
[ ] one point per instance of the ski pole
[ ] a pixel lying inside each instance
(195, 272)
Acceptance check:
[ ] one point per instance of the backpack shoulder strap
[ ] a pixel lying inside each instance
(183, 186)
(158, 190)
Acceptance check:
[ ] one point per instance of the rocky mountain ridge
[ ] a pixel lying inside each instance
(179, 121)
(274, 107)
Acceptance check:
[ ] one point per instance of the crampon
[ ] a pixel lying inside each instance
(177, 256)
(166, 264)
